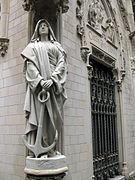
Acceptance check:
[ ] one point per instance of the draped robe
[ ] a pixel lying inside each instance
(44, 60)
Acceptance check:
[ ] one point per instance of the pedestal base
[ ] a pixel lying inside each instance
(46, 168)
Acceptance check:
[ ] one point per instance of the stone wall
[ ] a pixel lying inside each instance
(12, 90)
(77, 125)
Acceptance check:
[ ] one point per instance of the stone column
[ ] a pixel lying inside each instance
(4, 18)
(4, 41)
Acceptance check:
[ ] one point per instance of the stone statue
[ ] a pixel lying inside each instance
(45, 71)
(110, 30)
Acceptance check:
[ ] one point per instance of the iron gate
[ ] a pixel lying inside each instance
(104, 123)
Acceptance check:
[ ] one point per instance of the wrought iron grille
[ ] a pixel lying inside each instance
(104, 123)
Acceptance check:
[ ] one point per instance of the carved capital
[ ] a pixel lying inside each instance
(84, 53)
(4, 42)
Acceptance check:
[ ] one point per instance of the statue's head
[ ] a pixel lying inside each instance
(43, 28)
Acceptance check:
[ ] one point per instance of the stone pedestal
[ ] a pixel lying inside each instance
(44, 168)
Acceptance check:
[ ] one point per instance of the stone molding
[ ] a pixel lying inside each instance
(81, 26)
(102, 56)
(4, 42)
(123, 14)
(29, 5)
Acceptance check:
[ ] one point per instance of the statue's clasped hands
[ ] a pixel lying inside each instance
(46, 84)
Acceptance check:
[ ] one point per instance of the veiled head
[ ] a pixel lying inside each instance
(43, 27)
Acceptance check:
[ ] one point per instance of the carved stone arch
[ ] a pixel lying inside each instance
(45, 9)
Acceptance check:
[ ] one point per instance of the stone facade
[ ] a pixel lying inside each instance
(81, 36)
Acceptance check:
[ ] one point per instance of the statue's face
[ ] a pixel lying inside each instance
(43, 29)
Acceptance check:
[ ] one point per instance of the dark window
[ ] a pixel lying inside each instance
(104, 123)
(133, 3)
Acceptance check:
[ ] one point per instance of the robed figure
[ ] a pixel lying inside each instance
(45, 67)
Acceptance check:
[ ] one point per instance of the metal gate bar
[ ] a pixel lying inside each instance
(104, 123)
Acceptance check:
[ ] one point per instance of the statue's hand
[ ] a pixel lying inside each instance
(46, 84)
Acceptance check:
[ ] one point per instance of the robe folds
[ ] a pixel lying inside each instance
(44, 61)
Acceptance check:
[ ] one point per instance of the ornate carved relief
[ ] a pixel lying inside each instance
(101, 20)
(95, 14)
(90, 69)
(4, 42)
(84, 50)
(81, 26)
(84, 53)
(103, 57)
(123, 14)
(110, 30)
(29, 5)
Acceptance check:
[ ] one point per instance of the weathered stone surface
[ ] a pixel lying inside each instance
(46, 166)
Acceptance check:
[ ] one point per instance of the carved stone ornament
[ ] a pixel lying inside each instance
(119, 77)
(110, 30)
(84, 53)
(123, 14)
(132, 34)
(79, 13)
(103, 57)
(95, 15)
(80, 29)
(28, 5)
(4, 42)
(102, 22)
(132, 59)
(90, 69)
